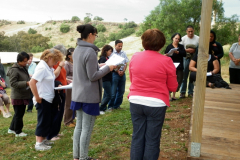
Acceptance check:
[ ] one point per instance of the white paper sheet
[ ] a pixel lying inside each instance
(170, 53)
(209, 73)
(114, 60)
(64, 87)
(176, 64)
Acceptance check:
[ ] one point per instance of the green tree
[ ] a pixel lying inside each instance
(87, 20)
(33, 40)
(172, 16)
(75, 18)
(227, 30)
(32, 31)
(64, 28)
(97, 18)
(101, 28)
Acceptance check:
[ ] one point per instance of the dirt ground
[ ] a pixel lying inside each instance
(175, 134)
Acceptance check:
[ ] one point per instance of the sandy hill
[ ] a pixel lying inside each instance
(51, 29)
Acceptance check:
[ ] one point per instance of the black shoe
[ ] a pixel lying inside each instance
(182, 95)
(29, 111)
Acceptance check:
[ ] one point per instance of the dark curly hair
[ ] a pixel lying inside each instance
(105, 49)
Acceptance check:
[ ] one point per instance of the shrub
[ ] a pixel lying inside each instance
(36, 49)
(75, 18)
(21, 22)
(87, 20)
(98, 18)
(32, 31)
(54, 23)
(4, 22)
(71, 39)
(112, 37)
(100, 44)
(50, 28)
(101, 28)
(46, 28)
(64, 28)
(121, 34)
(131, 24)
(120, 26)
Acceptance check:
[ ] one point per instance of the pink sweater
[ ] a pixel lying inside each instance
(152, 75)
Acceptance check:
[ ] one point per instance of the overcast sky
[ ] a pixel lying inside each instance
(109, 10)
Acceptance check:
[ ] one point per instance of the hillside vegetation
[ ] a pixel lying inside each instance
(52, 33)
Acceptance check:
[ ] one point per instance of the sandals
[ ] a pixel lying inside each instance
(212, 85)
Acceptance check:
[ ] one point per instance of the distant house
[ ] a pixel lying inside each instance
(8, 59)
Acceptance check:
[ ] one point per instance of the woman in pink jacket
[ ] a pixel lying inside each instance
(153, 76)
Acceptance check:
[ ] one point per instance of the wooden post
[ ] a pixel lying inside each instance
(199, 95)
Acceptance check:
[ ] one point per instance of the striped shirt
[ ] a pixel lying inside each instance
(122, 54)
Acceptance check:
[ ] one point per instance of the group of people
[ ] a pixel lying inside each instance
(150, 90)
(33, 84)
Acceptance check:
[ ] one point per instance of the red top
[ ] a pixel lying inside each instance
(1, 88)
(62, 76)
(152, 75)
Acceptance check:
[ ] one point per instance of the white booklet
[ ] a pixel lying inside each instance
(170, 53)
(69, 86)
(176, 64)
(114, 60)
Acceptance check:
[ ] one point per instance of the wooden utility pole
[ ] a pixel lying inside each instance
(202, 61)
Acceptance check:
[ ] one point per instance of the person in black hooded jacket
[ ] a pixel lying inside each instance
(216, 48)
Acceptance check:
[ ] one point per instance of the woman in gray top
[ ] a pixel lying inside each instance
(86, 90)
(234, 66)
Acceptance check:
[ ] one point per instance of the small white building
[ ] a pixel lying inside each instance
(8, 59)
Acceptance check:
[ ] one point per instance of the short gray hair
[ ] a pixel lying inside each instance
(61, 48)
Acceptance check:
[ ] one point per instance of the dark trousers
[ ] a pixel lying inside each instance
(107, 85)
(147, 129)
(234, 75)
(30, 104)
(44, 114)
(193, 76)
(17, 121)
(57, 119)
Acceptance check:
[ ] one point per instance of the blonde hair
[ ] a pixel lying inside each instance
(54, 53)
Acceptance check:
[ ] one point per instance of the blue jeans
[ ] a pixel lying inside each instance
(118, 89)
(147, 128)
(107, 85)
(82, 134)
(183, 88)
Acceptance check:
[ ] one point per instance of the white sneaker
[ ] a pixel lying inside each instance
(11, 131)
(47, 142)
(5, 115)
(10, 115)
(21, 134)
(109, 110)
(42, 147)
(102, 112)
